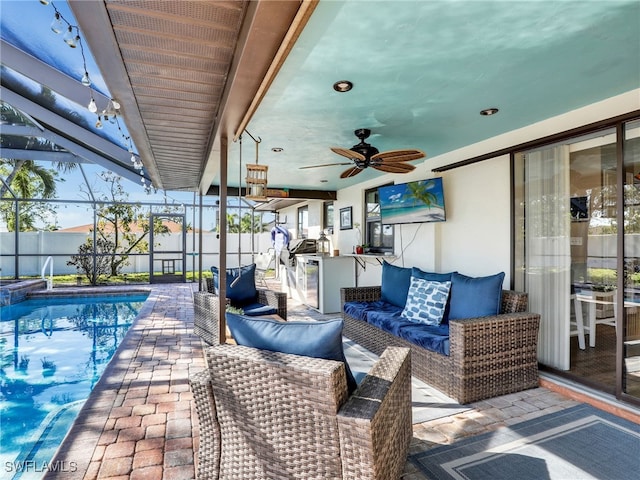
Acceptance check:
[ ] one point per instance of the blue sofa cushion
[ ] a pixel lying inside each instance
(475, 297)
(390, 322)
(359, 310)
(254, 309)
(322, 339)
(395, 284)
(426, 301)
(244, 291)
(434, 277)
(430, 337)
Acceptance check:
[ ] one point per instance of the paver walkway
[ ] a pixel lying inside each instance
(139, 422)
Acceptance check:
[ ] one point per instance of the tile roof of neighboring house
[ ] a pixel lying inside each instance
(173, 227)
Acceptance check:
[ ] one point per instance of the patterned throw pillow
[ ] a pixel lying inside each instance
(426, 301)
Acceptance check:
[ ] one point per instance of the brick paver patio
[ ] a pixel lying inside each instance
(139, 422)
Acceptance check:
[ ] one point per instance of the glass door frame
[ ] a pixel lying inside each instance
(619, 124)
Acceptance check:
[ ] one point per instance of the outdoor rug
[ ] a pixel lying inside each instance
(578, 443)
(427, 402)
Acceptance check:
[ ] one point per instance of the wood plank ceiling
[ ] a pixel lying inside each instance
(177, 56)
(175, 65)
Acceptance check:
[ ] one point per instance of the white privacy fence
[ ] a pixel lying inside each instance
(35, 247)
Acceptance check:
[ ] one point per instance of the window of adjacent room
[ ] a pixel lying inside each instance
(303, 222)
(378, 238)
(327, 217)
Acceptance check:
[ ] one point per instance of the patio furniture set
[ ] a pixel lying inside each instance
(277, 411)
(485, 348)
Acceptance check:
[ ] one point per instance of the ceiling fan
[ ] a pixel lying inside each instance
(364, 155)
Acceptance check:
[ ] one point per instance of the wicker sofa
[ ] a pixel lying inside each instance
(271, 415)
(488, 356)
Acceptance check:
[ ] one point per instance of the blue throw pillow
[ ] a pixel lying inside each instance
(395, 284)
(434, 277)
(244, 290)
(475, 297)
(426, 301)
(322, 339)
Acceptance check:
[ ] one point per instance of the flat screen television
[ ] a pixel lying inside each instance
(413, 202)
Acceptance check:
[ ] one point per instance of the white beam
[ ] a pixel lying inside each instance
(76, 139)
(45, 74)
(40, 155)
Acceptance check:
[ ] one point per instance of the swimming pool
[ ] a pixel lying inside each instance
(52, 353)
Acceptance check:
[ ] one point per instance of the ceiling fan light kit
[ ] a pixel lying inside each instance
(365, 155)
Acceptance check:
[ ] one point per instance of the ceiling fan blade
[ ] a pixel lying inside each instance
(345, 152)
(398, 155)
(350, 172)
(326, 165)
(394, 167)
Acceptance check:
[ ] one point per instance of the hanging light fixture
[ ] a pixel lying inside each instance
(93, 108)
(69, 38)
(57, 26)
(256, 178)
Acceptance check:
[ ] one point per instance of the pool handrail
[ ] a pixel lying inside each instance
(48, 261)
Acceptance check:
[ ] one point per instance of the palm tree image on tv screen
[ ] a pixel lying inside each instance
(412, 202)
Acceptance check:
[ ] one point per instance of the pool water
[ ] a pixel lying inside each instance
(52, 353)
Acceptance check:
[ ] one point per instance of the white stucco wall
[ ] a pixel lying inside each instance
(36, 246)
(476, 238)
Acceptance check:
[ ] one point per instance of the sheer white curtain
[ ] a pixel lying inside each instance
(548, 249)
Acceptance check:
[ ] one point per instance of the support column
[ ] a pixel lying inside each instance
(222, 257)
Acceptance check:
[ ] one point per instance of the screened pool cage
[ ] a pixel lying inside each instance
(97, 241)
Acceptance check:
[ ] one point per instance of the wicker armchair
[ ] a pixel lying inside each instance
(273, 298)
(206, 323)
(268, 415)
(488, 356)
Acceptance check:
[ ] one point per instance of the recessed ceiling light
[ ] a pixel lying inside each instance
(342, 86)
(489, 111)
(277, 149)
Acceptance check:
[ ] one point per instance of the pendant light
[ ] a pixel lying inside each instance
(256, 178)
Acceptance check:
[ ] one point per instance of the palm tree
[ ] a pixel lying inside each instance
(251, 223)
(419, 192)
(26, 178)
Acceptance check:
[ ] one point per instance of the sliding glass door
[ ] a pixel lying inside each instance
(631, 263)
(577, 254)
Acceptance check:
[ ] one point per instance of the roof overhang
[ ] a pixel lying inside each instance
(186, 74)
